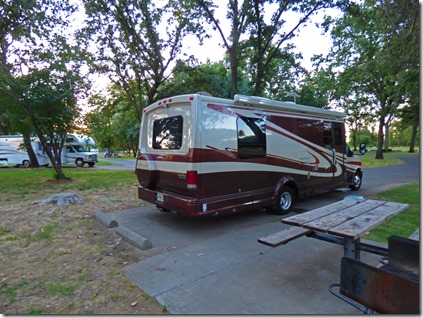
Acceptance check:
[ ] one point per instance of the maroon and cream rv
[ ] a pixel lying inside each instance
(201, 155)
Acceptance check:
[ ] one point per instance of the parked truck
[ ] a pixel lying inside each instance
(201, 155)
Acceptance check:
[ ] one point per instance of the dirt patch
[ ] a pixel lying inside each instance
(60, 260)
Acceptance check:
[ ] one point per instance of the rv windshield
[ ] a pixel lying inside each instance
(82, 149)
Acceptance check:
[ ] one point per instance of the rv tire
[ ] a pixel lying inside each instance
(285, 201)
(79, 162)
(91, 164)
(26, 164)
(356, 182)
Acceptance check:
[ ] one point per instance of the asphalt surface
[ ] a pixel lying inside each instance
(216, 266)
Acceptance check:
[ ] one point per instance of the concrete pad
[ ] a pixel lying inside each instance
(168, 231)
(244, 277)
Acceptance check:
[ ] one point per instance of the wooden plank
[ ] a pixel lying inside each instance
(309, 216)
(323, 224)
(356, 227)
(283, 237)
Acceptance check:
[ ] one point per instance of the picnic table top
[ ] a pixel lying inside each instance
(350, 218)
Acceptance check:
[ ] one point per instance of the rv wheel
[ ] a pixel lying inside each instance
(285, 201)
(26, 164)
(79, 162)
(91, 164)
(356, 182)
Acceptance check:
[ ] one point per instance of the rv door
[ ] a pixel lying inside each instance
(334, 140)
(338, 159)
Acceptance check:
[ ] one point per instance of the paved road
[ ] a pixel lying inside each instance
(215, 265)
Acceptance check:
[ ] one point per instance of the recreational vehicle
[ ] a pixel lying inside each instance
(13, 152)
(78, 149)
(200, 155)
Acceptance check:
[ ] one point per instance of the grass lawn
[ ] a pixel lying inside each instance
(24, 181)
(371, 162)
(405, 223)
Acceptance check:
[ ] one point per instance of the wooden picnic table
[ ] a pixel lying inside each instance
(343, 222)
(392, 288)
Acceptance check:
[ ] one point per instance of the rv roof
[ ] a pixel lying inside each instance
(289, 106)
(261, 102)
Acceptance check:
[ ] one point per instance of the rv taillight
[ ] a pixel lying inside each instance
(191, 180)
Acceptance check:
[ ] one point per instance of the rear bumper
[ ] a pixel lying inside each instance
(191, 206)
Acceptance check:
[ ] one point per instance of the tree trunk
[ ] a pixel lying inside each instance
(379, 152)
(234, 69)
(386, 136)
(413, 136)
(59, 172)
(354, 138)
(31, 154)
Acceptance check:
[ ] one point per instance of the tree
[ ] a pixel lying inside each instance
(212, 78)
(369, 59)
(113, 123)
(251, 37)
(137, 43)
(39, 70)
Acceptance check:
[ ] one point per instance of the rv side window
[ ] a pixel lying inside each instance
(167, 133)
(251, 137)
(338, 136)
(327, 135)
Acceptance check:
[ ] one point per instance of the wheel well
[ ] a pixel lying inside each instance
(288, 182)
(293, 186)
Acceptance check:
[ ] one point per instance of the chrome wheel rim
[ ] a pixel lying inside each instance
(357, 181)
(286, 201)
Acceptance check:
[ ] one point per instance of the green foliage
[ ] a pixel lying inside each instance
(40, 71)
(375, 60)
(113, 123)
(212, 78)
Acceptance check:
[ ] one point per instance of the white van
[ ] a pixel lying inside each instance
(200, 155)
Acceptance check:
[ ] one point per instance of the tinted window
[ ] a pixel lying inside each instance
(251, 137)
(327, 134)
(329, 139)
(338, 136)
(167, 133)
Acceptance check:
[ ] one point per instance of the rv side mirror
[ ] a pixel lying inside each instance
(350, 153)
(363, 149)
